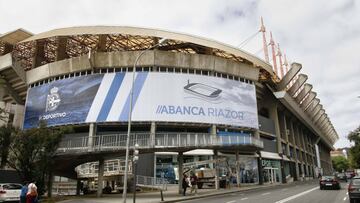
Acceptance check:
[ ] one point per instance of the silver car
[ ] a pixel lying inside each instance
(354, 189)
(10, 192)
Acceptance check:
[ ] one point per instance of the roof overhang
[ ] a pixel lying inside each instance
(108, 30)
(293, 106)
(15, 36)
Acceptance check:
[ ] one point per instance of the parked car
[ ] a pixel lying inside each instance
(342, 176)
(354, 189)
(329, 182)
(10, 192)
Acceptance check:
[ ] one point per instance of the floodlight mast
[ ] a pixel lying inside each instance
(161, 41)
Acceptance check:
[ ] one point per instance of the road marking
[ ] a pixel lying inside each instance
(345, 198)
(347, 193)
(284, 189)
(245, 198)
(233, 201)
(266, 193)
(296, 196)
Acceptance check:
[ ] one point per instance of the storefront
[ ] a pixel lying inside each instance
(271, 167)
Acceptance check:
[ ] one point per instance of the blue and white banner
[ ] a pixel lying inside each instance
(165, 97)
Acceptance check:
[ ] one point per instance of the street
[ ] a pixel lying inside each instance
(301, 193)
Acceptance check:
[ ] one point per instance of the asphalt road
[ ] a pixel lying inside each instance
(300, 193)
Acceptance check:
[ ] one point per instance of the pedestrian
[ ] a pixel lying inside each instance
(185, 183)
(24, 190)
(32, 195)
(193, 181)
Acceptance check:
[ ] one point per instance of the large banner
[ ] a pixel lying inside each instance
(165, 97)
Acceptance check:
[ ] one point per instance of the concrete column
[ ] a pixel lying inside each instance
(216, 165)
(180, 165)
(260, 169)
(292, 131)
(237, 168)
(273, 113)
(78, 186)
(213, 131)
(50, 184)
(152, 134)
(100, 178)
(92, 134)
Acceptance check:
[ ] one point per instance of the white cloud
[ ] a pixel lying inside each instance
(322, 35)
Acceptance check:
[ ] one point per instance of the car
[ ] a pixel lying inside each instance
(10, 192)
(354, 189)
(342, 176)
(329, 182)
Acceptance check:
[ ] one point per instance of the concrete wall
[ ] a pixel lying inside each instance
(149, 59)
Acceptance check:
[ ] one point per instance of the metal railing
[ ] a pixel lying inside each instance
(147, 181)
(161, 140)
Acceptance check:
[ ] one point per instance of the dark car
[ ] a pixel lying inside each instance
(329, 182)
(342, 176)
(354, 189)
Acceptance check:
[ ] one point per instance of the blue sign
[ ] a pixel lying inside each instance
(61, 102)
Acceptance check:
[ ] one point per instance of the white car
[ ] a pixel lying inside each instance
(10, 192)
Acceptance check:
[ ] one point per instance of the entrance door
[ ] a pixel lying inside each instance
(270, 175)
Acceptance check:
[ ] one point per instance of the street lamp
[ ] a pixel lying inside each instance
(130, 113)
(135, 159)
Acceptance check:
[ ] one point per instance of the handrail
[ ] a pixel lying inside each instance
(161, 140)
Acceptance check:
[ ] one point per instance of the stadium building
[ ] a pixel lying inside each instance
(194, 100)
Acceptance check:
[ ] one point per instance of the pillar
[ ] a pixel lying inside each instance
(237, 168)
(152, 134)
(78, 186)
(50, 183)
(260, 169)
(92, 134)
(100, 177)
(216, 169)
(292, 131)
(180, 165)
(273, 113)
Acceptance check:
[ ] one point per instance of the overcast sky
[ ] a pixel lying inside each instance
(322, 35)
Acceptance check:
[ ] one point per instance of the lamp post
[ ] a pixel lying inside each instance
(135, 159)
(130, 113)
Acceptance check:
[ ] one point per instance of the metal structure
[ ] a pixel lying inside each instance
(162, 141)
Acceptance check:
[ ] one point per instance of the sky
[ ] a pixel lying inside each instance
(322, 35)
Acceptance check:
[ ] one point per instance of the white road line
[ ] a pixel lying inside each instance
(345, 198)
(296, 196)
(245, 198)
(284, 189)
(266, 193)
(347, 193)
(233, 201)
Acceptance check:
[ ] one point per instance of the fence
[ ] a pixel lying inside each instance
(145, 141)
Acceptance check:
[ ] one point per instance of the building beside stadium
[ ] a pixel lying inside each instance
(194, 101)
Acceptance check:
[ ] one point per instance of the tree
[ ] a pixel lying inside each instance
(354, 136)
(6, 132)
(32, 151)
(340, 163)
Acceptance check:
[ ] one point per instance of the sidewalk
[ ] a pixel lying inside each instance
(171, 195)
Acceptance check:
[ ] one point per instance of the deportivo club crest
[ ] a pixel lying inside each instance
(53, 100)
